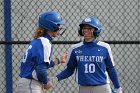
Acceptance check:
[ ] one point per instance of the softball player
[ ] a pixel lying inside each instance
(92, 60)
(37, 58)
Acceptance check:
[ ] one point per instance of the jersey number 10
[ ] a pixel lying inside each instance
(89, 68)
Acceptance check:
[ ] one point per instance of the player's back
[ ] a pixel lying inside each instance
(30, 59)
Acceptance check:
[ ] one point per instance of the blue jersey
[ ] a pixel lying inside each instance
(37, 59)
(93, 62)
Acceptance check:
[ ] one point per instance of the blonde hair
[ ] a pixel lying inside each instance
(39, 32)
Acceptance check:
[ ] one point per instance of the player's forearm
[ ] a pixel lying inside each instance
(54, 62)
(114, 77)
(71, 65)
(65, 74)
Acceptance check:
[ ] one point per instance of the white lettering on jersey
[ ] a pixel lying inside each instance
(26, 54)
(90, 58)
(89, 68)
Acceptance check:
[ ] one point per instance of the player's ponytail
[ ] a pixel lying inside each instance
(39, 32)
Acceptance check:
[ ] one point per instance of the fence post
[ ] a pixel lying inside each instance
(8, 48)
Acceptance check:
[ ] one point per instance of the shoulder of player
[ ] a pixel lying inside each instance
(76, 45)
(44, 41)
(103, 44)
(41, 41)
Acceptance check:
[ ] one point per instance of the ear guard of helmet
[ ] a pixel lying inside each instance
(80, 32)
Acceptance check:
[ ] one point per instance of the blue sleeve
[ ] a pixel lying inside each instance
(113, 76)
(71, 65)
(51, 64)
(111, 69)
(37, 51)
(42, 51)
(41, 71)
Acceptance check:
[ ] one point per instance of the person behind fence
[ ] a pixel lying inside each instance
(92, 60)
(37, 58)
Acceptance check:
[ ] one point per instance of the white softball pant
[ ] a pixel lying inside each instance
(95, 89)
(28, 86)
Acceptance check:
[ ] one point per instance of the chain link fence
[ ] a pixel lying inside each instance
(121, 28)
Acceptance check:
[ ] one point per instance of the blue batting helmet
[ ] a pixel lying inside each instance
(93, 22)
(50, 20)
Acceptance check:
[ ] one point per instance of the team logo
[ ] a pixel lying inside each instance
(87, 19)
(99, 49)
(78, 51)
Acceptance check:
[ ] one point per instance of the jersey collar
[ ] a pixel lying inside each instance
(93, 42)
(48, 37)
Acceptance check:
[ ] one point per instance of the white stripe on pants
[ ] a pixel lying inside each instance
(95, 89)
(28, 86)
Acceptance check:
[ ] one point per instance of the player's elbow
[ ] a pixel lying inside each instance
(41, 72)
(110, 69)
(42, 76)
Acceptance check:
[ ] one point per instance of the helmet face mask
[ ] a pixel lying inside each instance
(93, 22)
(50, 21)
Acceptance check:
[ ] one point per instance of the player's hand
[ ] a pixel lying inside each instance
(56, 60)
(64, 57)
(119, 90)
(47, 86)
